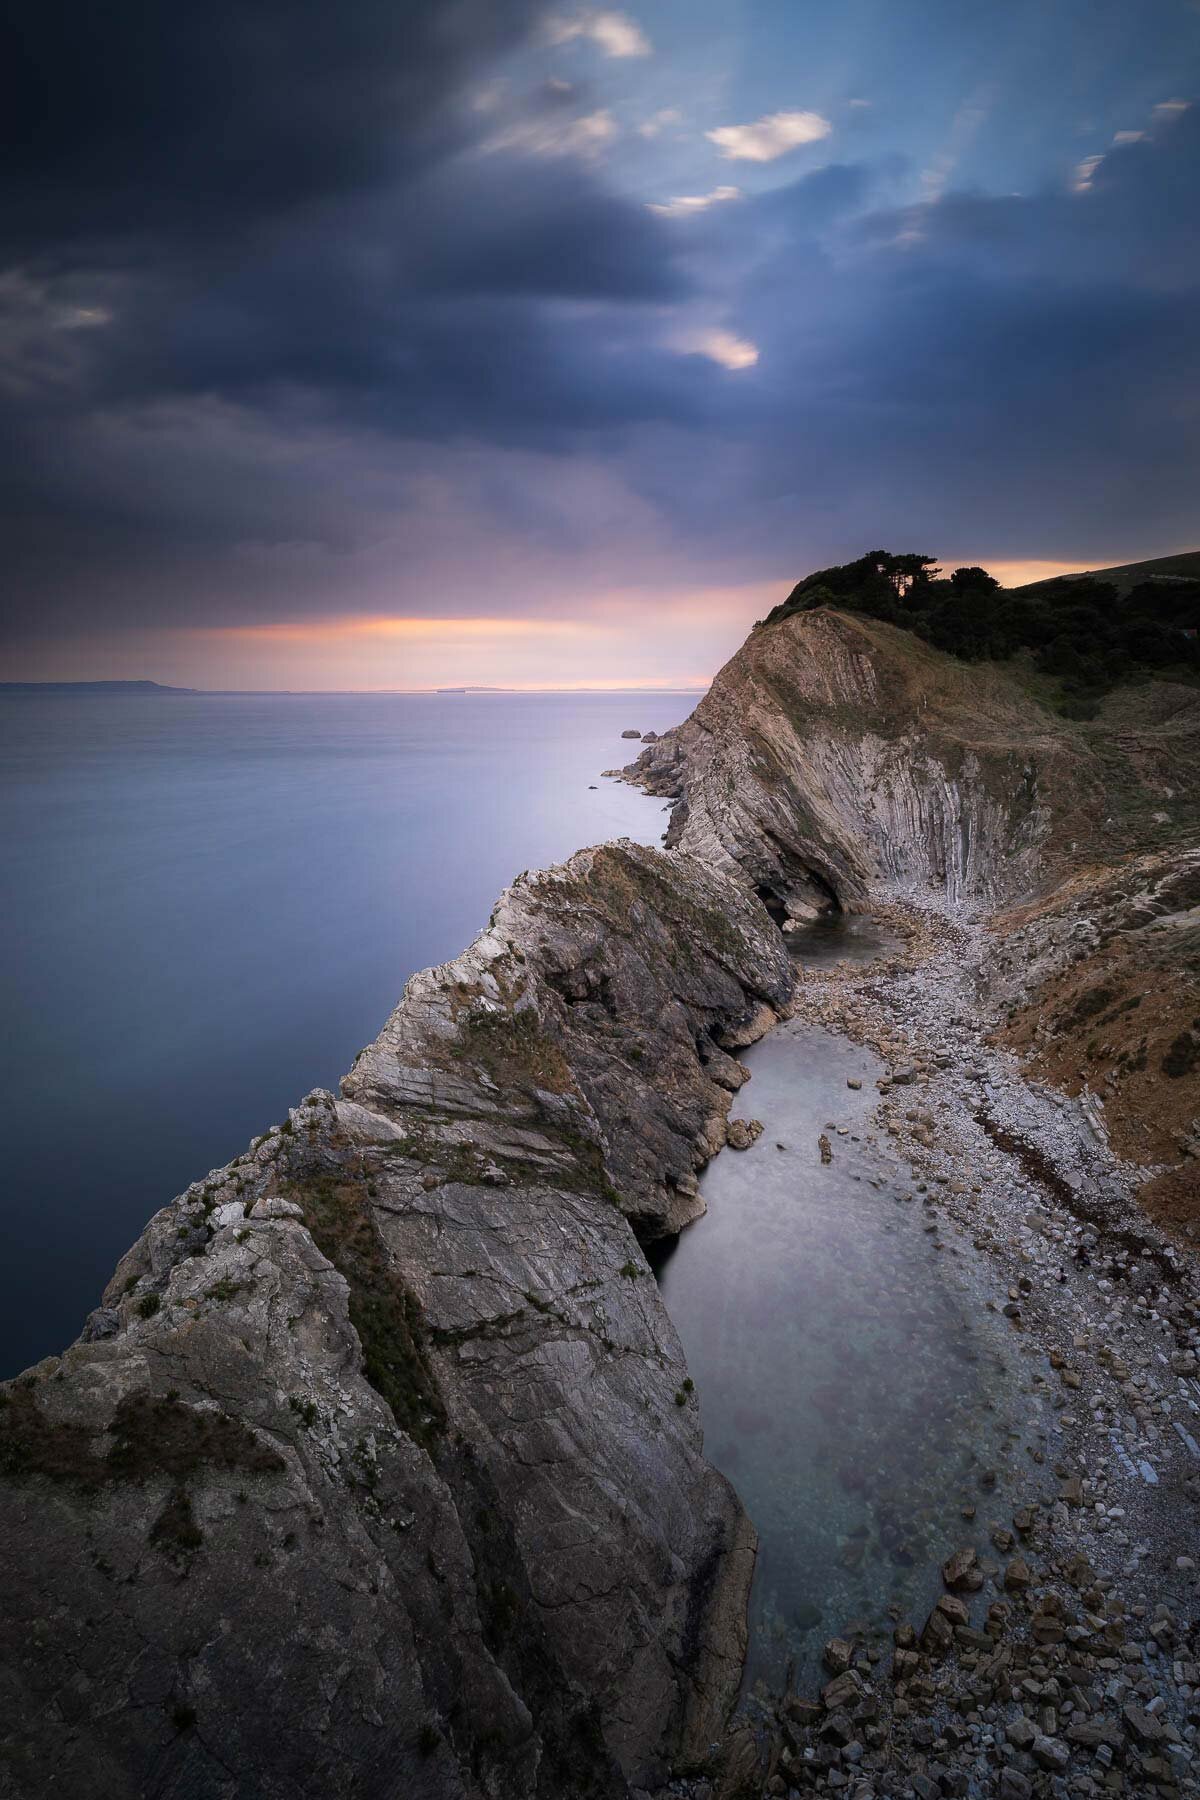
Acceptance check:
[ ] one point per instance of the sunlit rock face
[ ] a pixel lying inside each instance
(834, 752)
(379, 1470)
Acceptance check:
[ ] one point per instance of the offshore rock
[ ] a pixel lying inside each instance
(369, 1476)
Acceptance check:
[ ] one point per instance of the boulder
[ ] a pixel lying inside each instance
(958, 1568)
(741, 1133)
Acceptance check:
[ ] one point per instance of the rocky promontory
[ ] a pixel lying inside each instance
(379, 1471)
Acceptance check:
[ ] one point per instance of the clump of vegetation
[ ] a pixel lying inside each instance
(385, 1315)
(150, 1437)
(1088, 1005)
(630, 1270)
(305, 1410)
(513, 1049)
(1077, 628)
(225, 1289)
(175, 1530)
(1184, 1054)
(148, 1305)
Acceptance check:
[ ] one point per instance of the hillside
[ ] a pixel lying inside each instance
(1123, 576)
(91, 687)
(1080, 636)
(834, 751)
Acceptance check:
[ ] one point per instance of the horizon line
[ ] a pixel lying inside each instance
(449, 692)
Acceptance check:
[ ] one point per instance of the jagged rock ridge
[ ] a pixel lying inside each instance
(378, 1471)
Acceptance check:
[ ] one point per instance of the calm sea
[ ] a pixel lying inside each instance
(210, 903)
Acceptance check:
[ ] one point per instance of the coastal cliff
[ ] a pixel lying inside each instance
(838, 761)
(834, 753)
(379, 1470)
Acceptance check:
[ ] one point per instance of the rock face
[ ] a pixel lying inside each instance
(376, 1472)
(836, 760)
(1097, 985)
(834, 752)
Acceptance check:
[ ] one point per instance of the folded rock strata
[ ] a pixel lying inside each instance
(836, 759)
(833, 753)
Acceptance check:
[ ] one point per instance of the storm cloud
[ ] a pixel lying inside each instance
(304, 307)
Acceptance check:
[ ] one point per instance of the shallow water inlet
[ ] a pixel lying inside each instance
(853, 1384)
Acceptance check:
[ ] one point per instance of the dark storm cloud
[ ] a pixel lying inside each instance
(266, 269)
(1014, 372)
(1019, 366)
(139, 117)
(295, 209)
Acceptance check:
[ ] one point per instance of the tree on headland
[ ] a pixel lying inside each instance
(972, 580)
(1077, 628)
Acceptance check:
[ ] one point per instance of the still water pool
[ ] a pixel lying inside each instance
(852, 1384)
(842, 937)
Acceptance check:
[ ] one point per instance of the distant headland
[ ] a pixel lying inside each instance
(92, 687)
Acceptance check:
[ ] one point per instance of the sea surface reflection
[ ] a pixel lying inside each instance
(210, 902)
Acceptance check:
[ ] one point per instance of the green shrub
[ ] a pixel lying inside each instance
(1183, 1055)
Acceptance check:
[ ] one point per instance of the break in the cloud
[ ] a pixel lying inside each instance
(666, 115)
(308, 317)
(769, 137)
(684, 204)
(614, 32)
(550, 134)
(720, 346)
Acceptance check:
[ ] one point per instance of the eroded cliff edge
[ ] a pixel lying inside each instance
(379, 1470)
(838, 761)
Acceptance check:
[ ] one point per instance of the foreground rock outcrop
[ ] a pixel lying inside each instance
(378, 1471)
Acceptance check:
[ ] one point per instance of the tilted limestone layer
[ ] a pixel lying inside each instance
(378, 1472)
(833, 752)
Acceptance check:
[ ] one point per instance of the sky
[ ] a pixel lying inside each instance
(406, 342)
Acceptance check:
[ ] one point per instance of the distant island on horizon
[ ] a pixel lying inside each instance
(93, 687)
